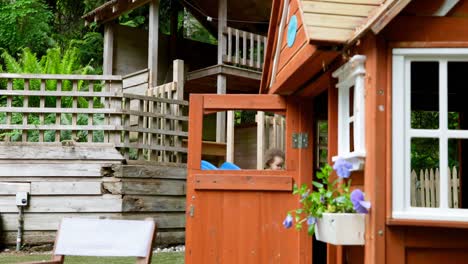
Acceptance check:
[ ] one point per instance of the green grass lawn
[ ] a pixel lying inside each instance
(158, 258)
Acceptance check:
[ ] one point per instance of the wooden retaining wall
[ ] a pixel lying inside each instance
(152, 190)
(86, 181)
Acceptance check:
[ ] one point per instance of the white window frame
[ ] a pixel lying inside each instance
(402, 133)
(351, 74)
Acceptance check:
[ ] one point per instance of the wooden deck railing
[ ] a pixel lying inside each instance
(91, 109)
(244, 49)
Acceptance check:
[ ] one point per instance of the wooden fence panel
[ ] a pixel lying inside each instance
(53, 108)
(425, 188)
(94, 109)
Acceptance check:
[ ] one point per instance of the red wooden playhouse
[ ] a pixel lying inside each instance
(389, 79)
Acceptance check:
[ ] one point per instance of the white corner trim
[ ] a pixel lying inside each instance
(446, 6)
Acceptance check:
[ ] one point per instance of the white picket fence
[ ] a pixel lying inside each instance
(425, 188)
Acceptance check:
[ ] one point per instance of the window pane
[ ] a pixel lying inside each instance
(455, 172)
(424, 172)
(246, 149)
(322, 143)
(457, 92)
(425, 94)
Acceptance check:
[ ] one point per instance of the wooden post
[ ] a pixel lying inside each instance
(221, 79)
(116, 104)
(260, 139)
(178, 77)
(230, 137)
(153, 37)
(108, 48)
(175, 7)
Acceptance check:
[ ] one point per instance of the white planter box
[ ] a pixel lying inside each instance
(341, 229)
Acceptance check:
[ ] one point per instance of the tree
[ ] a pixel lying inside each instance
(25, 23)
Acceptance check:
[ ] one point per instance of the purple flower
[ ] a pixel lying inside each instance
(342, 168)
(361, 206)
(311, 220)
(304, 196)
(322, 199)
(288, 221)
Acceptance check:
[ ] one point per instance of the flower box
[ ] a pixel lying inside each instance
(341, 229)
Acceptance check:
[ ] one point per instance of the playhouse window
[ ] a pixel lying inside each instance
(430, 134)
(351, 111)
(252, 138)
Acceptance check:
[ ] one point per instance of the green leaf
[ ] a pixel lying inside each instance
(311, 230)
(317, 184)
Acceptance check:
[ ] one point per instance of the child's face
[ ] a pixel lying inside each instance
(277, 163)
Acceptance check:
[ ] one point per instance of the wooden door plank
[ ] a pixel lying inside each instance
(243, 102)
(241, 182)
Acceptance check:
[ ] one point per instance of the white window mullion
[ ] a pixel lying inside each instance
(443, 121)
(457, 134)
(424, 133)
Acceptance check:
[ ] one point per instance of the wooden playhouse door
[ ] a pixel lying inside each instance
(235, 216)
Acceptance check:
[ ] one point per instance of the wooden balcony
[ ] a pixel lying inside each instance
(242, 62)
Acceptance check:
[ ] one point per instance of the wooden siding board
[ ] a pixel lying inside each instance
(287, 53)
(11, 188)
(70, 187)
(140, 203)
(148, 172)
(302, 68)
(151, 187)
(293, 10)
(51, 170)
(46, 151)
(44, 204)
(51, 221)
(170, 237)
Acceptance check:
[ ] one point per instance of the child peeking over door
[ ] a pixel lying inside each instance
(274, 159)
